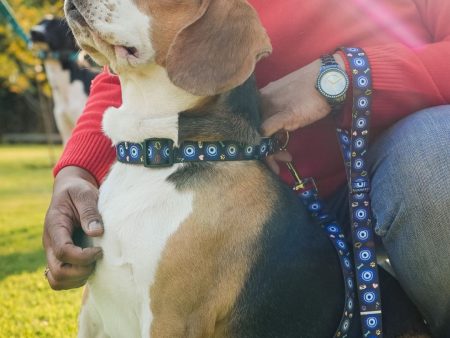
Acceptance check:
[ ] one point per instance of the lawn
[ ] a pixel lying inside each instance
(28, 307)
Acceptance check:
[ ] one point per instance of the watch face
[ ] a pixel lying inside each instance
(333, 83)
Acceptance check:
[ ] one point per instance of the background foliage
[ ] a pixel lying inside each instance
(20, 70)
(28, 307)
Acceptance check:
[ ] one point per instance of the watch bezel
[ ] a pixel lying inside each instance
(326, 71)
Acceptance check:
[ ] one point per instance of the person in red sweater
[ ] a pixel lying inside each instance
(408, 45)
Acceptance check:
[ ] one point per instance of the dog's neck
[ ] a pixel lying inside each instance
(150, 107)
(153, 107)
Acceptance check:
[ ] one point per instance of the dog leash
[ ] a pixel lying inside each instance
(354, 149)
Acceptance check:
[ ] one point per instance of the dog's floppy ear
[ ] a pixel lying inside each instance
(218, 50)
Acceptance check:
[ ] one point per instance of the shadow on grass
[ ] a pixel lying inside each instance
(16, 263)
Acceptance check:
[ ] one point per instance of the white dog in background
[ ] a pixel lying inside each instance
(69, 81)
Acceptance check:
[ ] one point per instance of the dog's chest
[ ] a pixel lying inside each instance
(140, 210)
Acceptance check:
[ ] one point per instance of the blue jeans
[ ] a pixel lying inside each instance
(410, 169)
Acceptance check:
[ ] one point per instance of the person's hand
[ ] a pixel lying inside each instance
(73, 204)
(293, 102)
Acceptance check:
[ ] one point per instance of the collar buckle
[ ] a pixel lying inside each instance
(158, 152)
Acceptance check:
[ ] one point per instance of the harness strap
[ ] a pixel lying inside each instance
(161, 152)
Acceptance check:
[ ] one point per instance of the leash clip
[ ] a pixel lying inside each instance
(282, 144)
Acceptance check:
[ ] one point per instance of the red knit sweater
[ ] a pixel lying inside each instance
(408, 44)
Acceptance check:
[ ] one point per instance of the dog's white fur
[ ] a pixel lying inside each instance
(69, 97)
(136, 232)
(140, 209)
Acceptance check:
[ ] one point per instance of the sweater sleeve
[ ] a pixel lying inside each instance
(88, 147)
(409, 78)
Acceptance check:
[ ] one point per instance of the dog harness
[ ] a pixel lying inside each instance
(161, 152)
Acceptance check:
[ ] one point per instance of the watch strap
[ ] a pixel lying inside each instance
(329, 62)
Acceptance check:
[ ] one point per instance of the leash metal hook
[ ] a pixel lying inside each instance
(282, 146)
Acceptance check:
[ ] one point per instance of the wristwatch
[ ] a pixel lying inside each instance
(332, 82)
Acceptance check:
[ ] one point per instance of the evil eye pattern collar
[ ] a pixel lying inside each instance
(161, 152)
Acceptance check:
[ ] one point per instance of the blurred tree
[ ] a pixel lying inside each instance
(20, 69)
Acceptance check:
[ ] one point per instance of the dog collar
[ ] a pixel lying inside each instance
(161, 152)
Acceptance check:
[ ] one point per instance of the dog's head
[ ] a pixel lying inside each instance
(53, 34)
(206, 46)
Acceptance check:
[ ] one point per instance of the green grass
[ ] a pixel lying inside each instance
(28, 307)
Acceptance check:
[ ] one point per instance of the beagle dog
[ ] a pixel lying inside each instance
(70, 82)
(209, 249)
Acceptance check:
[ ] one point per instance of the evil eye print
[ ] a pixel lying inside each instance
(211, 150)
(341, 244)
(121, 151)
(361, 214)
(314, 206)
(358, 164)
(352, 49)
(359, 196)
(350, 283)
(345, 139)
(362, 235)
(362, 81)
(189, 151)
(359, 62)
(367, 275)
(360, 184)
(359, 143)
(371, 322)
(361, 123)
(350, 304)
(249, 151)
(332, 228)
(369, 297)
(365, 255)
(165, 152)
(263, 149)
(232, 150)
(345, 325)
(134, 152)
(362, 102)
(347, 263)
(307, 193)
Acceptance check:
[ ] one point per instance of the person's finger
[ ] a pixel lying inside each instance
(282, 156)
(272, 125)
(86, 201)
(282, 121)
(65, 251)
(272, 164)
(63, 285)
(67, 272)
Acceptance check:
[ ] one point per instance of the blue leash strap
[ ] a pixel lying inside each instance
(354, 149)
(308, 194)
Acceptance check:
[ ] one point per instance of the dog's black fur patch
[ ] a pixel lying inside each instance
(56, 34)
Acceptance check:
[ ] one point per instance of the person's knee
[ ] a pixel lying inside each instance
(410, 168)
